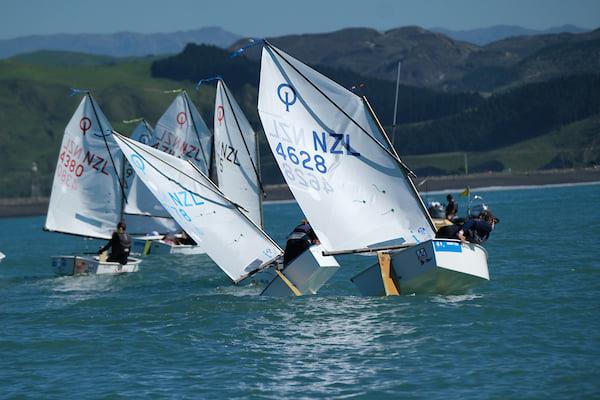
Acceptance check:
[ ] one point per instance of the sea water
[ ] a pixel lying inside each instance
(180, 329)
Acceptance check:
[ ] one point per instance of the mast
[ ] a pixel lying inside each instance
(396, 102)
(112, 161)
(264, 194)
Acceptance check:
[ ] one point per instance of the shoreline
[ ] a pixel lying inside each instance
(23, 207)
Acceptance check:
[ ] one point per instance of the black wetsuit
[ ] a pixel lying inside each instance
(120, 245)
(299, 240)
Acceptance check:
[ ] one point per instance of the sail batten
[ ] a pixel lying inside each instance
(335, 159)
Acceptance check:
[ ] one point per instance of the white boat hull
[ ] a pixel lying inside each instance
(432, 267)
(307, 273)
(2, 256)
(145, 247)
(78, 265)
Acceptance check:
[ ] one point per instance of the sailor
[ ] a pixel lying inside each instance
(476, 230)
(302, 237)
(451, 208)
(120, 245)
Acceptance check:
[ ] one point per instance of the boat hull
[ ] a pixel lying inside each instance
(307, 273)
(160, 247)
(79, 265)
(432, 267)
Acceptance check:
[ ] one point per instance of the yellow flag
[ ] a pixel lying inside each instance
(465, 192)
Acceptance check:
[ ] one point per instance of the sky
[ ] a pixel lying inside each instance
(263, 18)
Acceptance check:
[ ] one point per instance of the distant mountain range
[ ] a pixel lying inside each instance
(120, 44)
(434, 60)
(127, 44)
(483, 36)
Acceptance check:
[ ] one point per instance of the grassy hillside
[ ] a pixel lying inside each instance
(573, 145)
(35, 106)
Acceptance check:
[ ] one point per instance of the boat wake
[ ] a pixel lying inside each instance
(456, 300)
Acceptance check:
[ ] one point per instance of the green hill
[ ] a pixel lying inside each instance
(35, 107)
(574, 145)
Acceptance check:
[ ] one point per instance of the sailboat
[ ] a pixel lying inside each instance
(353, 187)
(2, 256)
(180, 132)
(87, 195)
(236, 155)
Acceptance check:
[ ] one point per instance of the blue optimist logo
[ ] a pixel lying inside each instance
(138, 162)
(287, 95)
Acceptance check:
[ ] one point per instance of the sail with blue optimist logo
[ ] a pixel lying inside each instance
(231, 239)
(336, 160)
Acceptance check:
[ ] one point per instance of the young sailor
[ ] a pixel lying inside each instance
(120, 245)
(451, 208)
(301, 238)
(475, 230)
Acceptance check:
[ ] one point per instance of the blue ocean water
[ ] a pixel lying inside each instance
(180, 329)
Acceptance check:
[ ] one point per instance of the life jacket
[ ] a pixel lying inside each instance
(121, 247)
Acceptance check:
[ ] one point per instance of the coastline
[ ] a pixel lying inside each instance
(23, 207)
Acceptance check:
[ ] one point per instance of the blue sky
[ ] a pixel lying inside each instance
(280, 17)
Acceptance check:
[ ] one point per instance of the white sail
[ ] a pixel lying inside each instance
(181, 132)
(231, 240)
(143, 213)
(86, 192)
(335, 159)
(236, 154)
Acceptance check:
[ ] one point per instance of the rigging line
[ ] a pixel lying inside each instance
(123, 196)
(262, 190)
(332, 102)
(131, 143)
(187, 103)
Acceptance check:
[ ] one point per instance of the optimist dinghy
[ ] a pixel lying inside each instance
(87, 192)
(77, 265)
(352, 186)
(231, 239)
